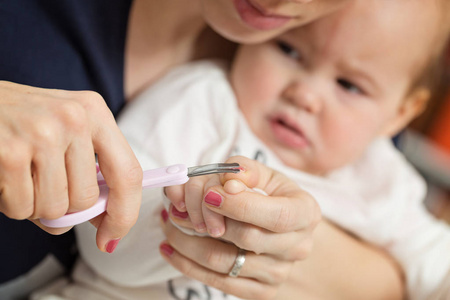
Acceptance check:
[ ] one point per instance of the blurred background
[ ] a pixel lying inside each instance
(426, 143)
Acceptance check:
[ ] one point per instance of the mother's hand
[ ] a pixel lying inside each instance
(209, 260)
(48, 140)
(275, 229)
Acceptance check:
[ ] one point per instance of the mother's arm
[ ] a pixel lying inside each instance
(343, 267)
(339, 267)
(278, 232)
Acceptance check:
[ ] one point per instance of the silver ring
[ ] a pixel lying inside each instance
(238, 263)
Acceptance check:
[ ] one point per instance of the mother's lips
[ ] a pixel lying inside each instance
(254, 16)
(265, 12)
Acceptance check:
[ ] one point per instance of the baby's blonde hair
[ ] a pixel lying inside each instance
(432, 75)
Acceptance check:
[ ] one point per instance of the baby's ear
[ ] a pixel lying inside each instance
(412, 106)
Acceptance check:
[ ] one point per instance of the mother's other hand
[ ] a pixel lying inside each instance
(276, 230)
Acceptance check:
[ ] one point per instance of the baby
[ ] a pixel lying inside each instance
(319, 104)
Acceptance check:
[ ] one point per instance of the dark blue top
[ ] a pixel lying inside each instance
(64, 44)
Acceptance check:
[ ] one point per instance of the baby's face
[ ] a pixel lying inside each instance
(250, 21)
(319, 95)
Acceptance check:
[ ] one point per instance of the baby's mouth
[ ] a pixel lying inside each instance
(288, 127)
(288, 133)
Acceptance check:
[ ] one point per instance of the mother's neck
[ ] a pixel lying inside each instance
(161, 34)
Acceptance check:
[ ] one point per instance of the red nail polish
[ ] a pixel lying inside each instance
(164, 215)
(213, 198)
(166, 249)
(179, 214)
(111, 245)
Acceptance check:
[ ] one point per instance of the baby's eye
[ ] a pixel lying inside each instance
(349, 87)
(288, 50)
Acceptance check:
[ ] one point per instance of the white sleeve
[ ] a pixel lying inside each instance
(422, 247)
(403, 225)
(443, 290)
(188, 117)
(380, 199)
(419, 242)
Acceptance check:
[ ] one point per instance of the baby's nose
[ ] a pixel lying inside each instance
(303, 96)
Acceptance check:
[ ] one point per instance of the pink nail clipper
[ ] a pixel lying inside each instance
(161, 177)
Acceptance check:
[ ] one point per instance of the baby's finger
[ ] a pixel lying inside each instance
(180, 217)
(256, 175)
(175, 194)
(215, 223)
(184, 225)
(194, 189)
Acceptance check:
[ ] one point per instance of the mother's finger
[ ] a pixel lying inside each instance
(274, 213)
(16, 183)
(121, 171)
(50, 184)
(80, 166)
(219, 256)
(291, 246)
(286, 208)
(54, 231)
(239, 286)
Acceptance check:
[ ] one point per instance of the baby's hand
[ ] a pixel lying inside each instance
(188, 210)
(190, 202)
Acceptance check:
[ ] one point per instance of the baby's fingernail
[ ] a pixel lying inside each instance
(182, 206)
(215, 232)
(179, 214)
(213, 198)
(164, 215)
(111, 245)
(234, 186)
(166, 249)
(200, 227)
